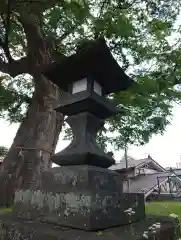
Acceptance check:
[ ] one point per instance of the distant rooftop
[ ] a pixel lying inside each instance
(135, 163)
(131, 163)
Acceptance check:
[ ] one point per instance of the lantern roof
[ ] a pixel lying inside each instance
(93, 59)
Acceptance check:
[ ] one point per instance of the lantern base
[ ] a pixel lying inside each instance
(35, 230)
(83, 158)
(83, 197)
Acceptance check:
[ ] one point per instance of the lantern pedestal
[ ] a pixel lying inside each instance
(83, 197)
(78, 203)
(35, 230)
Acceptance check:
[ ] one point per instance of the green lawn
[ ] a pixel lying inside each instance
(5, 210)
(164, 208)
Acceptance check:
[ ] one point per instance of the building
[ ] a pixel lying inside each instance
(148, 177)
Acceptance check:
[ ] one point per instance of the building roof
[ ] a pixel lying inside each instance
(131, 163)
(136, 163)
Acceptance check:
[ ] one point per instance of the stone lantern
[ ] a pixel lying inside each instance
(82, 199)
(88, 75)
(83, 193)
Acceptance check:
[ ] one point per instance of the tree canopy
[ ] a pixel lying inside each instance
(144, 37)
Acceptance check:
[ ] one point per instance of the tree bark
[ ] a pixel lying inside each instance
(37, 135)
(34, 143)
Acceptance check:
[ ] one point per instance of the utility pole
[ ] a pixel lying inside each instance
(127, 164)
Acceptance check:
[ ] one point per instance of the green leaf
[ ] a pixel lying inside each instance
(55, 17)
(124, 27)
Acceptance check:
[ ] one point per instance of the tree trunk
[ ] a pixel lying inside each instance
(34, 143)
(37, 136)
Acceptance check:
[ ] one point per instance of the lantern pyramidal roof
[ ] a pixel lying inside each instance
(94, 60)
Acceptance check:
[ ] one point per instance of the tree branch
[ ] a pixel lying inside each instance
(41, 52)
(35, 6)
(7, 29)
(39, 6)
(41, 49)
(16, 67)
(104, 3)
(31, 25)
(5, 47)
(5, 18)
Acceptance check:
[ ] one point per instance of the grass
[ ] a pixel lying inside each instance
(5, 209)
(164, 208)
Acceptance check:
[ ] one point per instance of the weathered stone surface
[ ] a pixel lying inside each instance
(84, 150)
(34, 230)
(84, 197)
(135, 201)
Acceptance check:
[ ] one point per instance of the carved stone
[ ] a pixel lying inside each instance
(84, 197)
(84, 150)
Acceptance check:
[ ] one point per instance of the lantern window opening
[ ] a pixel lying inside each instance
(79, 86)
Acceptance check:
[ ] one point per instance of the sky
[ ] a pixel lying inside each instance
(166, 149)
